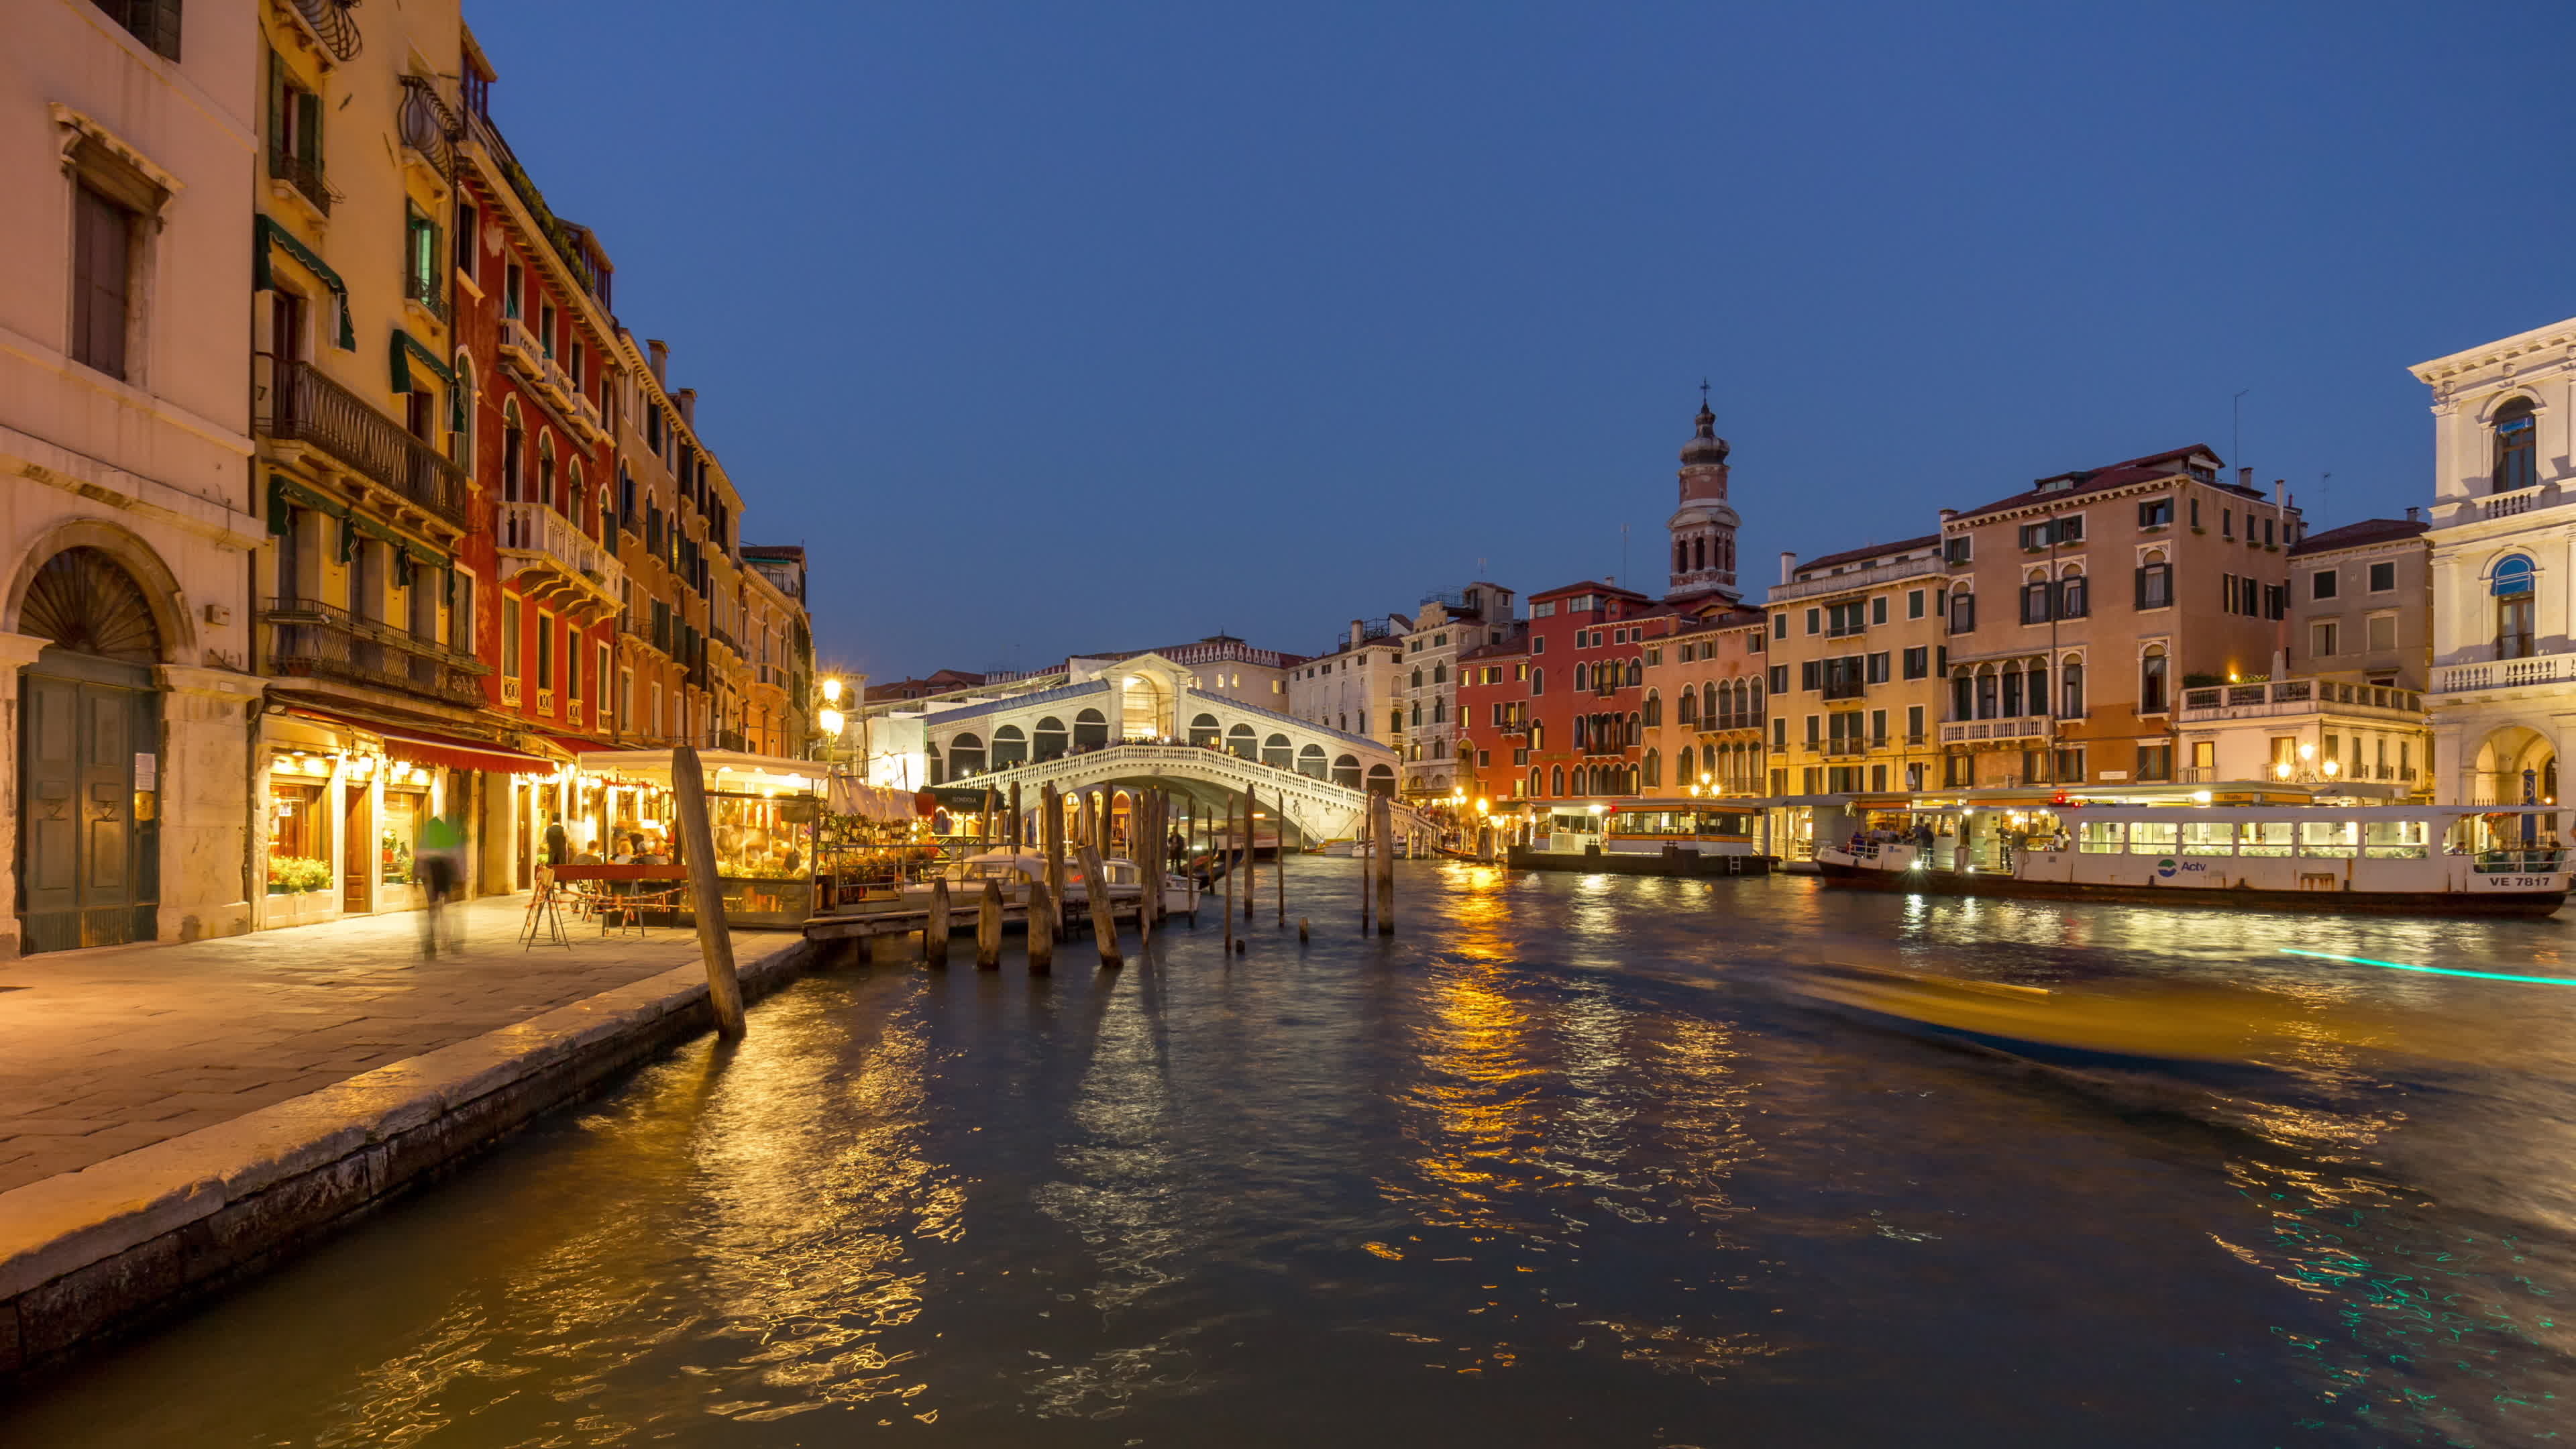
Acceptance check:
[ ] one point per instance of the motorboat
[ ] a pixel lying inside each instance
(2466, 860)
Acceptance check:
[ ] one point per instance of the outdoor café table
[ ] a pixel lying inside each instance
(611, 877)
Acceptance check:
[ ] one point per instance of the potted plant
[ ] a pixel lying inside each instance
(295, 874)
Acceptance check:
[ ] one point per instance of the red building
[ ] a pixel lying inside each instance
(1566, 699)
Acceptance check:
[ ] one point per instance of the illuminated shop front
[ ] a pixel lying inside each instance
(761, 812)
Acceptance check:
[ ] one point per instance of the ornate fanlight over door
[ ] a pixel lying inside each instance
(86, 602)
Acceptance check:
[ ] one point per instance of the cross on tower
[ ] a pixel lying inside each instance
(1703, 394)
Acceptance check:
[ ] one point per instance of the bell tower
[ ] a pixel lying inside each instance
(1703, 528)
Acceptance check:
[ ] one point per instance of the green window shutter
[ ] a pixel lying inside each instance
(308, 139)
(276, 101)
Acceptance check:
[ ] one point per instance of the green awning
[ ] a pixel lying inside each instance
(266, 233)
(283, 491)
(406, 350)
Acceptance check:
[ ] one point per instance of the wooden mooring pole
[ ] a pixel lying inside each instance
(706, 893)
(934, 929)
(1104, 919)
(1041, 937)
(1251, 840)
(988, 928)
(1384, 809)
(1018, 834)
(1051, 835)
(1368, 859)
(1279, 863)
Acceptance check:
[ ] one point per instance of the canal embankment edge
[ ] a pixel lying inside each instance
(88, 1255)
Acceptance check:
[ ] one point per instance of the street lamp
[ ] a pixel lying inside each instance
(831, 692)
(832, 722)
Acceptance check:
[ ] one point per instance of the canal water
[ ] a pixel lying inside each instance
(1561, 1164)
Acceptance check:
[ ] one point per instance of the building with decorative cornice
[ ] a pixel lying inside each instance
(2503, 696)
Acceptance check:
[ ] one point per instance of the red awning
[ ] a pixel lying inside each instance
(575, 744)
(416, 748)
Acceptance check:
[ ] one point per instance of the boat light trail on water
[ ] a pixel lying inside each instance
(2433, 970)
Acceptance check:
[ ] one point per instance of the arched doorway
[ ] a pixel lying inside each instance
(90, 727)
(2503, 759)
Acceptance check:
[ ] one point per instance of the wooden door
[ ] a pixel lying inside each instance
(357, 850)
(85, 873)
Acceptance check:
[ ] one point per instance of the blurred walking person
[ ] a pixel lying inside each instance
(439, 855)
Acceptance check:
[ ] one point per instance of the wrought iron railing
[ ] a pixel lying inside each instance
(332, 25)
(304, 406)
(305, 176)
(428, 126)
(311, 638)
(425, 292)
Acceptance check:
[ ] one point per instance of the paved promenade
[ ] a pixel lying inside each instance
(105, 1051)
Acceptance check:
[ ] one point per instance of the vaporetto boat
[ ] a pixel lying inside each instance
(2469, 860)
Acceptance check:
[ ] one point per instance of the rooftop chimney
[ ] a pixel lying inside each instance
(661, 352)
(2410, 514)
(687, 398)
(1788, 561)
(1355, 633)
(1948, 513)
(2245, 479)
(2280, 493)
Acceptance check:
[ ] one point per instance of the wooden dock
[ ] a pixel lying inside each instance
(856, 925)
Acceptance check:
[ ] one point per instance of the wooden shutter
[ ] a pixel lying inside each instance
(101, 247)
(308, 130)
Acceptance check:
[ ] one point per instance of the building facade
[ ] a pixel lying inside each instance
(1429, 733)
(1357, 687)
(1707, 693)
(2503, 552)
(2081, 607)
(1856, 674)
(130, 509)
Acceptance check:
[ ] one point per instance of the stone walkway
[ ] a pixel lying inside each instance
(105, 1051)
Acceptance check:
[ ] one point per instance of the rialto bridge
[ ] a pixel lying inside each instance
(1143, 722)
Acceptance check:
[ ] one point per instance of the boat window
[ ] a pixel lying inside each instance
(2208, 837)
(2335, 839)
(2396, 839)
(2264, 837)
(2101, 837)
(2153, 837)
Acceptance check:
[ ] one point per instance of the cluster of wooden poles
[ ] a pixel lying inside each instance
(1150, 817)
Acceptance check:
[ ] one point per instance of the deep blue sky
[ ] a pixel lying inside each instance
(1064, 327)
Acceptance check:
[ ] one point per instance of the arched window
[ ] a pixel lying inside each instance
(965, 757)
(1346, 771)
(1440, 674)
(1654, 707)
(1712, 706)
(1204, 731)
(546, 469)
(1240, 740)
(2152, 688)
(1699, 551)
(2072, 601)
(1635, 735)
(1654, 769)
(1681, 557)
(1582, 672)
(1538, 680)
(2517, 434)
(1636, 672)
(1417, 676)
(1090, 730)
(461, 416)
(1310, 762)
(1556, 781)
(2511, 583)
(1010, 747)
(1277, 752)
(1439, 711)
(1049, 738)
(514, 454)
(1535, 783)
(1381, 780)
(2070, 686)
(2035, 696)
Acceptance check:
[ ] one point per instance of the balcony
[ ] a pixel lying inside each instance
(303, 175)
(424, 293)
(303, 406)
(310, 639)
(519, 349)
(1723, 723)
(2026, 727)
(427, 127)
(557, 565)
(331, 25)
(2296, 697)
(1856, 579)
(2520, 673)
(1844, 689)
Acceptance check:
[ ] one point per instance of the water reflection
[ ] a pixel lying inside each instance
(1558, 1164)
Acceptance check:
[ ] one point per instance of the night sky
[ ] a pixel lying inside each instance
(1059, 327)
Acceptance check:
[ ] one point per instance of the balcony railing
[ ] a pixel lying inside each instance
(425, 293)
(1855, 579)
(2505, 673)
(427, 126)
(519, 348)
(2293, 696)
(1844, 689)
(304, 406)
(332, 25)
(305, 176)
(535, 529)
(2025, 727)
(310, 638)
